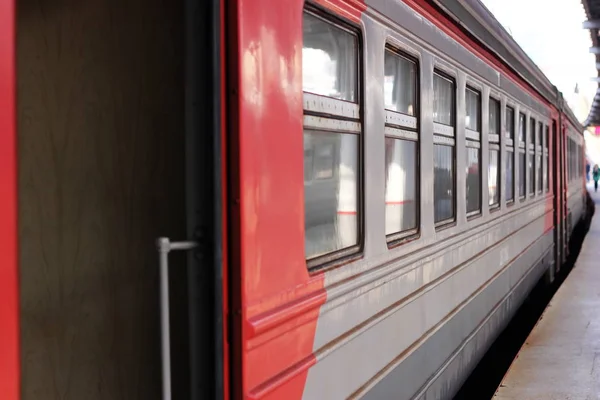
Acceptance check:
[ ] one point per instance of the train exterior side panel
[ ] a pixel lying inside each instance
(9, 308)
(280, 300)
(389, 312)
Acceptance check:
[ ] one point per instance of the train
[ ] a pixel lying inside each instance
(353, 197)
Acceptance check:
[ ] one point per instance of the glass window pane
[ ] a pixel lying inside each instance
(510, 173)
(401, 185)
(546, 180)
(443, 100)
(510, 123)
(538, 140)
(329, 59)
(531, 174)
(494, 117)
(400, 84)
(538, 169)
(532, 131)
(547, 143)
(330, 198)
(473, 180)
(522, 127)
(473, 110)
(443, 195)
(522, 174)
(494, 178)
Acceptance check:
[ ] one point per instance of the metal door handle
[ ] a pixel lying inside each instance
(165, 246)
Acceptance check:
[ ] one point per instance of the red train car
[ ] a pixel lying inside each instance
(365, 193)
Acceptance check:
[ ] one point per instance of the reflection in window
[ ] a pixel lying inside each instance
(494, 178)
(522, 127)
(400, 84)
(531, 167)
(329, 59)
(494, 117)
(331, 204)
(443, 195)
(400, 186)
(510, 174)
(473, 110)
(473, 181)
(510, 123)
(538, 168)
(522, 175)
(443, 100)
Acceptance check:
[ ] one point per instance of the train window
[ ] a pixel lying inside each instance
(330, 67)
(522, 129)
(473, 109)
(400, 84)
(522, 173)
(510, 154)
(444, 92)
(401, 186)
(401, 146)
(538, 171)
(443, 163)
(443, 99)
(510, 175)
(545, 150)
(494, 154)
(531, 167)
(538, 141)
(510, 123)
(473, 179)
(329, 59)
(531, 156)
(472, 123)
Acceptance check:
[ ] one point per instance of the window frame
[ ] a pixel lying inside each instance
(445, 135)
(494, 145)
(330, 115)
(510, 136)
(400, 126)
(473, 141)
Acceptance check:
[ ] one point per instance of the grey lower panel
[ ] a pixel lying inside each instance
(438, 368)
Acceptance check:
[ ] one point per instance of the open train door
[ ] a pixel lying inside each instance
(9, 311)
(193, 304)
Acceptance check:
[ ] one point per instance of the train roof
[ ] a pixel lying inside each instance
(473, 17)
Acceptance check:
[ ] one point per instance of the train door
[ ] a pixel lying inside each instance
(206, 280)
(9, 312)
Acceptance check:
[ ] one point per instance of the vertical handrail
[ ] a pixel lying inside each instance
(165, 246)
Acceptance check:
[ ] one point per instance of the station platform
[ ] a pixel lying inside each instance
(561, 358)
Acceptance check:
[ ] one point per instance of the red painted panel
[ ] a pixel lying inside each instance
(280, 300)
(9, 309)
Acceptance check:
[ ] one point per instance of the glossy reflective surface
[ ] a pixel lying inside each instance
(510, 123)
(531, 169)
(494, 178)
(522, 127)
(329, 59)
(522, 175)
(443, 161)
(510, 174)
(473, 181)
(473, 109)
(443, 100)
(494, 117)
(401, 185)
(538, 169)
(330, 191)
(400, 84)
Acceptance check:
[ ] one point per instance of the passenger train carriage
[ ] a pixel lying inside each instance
(373, 189)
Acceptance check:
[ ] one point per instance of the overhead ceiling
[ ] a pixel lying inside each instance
(592, 10)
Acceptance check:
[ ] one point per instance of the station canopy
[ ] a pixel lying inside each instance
(592, 11)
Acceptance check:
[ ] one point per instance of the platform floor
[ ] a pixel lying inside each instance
(561, 357)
